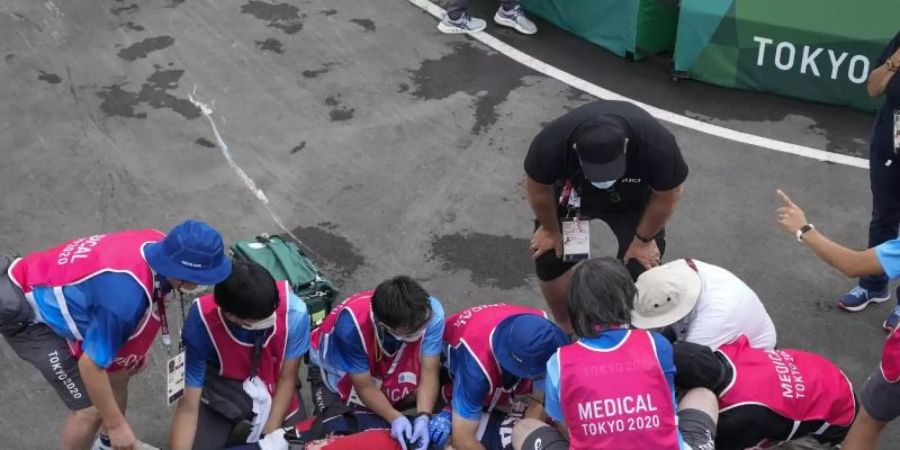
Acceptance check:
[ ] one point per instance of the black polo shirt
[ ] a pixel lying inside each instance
(653, 159)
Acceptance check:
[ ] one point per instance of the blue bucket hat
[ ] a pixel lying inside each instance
(193, 252)
(523, 343)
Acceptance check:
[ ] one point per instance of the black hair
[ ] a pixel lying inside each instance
(249, 292)
(601, 294)
(401, 304)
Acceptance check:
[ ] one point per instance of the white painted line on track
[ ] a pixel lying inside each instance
(661, 114)
(206, 110)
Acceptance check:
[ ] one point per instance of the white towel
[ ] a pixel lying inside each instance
(262, 405)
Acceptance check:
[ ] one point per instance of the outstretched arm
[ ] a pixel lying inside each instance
(850, 262)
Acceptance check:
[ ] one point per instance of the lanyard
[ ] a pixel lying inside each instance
(160, 300)
(566, 193)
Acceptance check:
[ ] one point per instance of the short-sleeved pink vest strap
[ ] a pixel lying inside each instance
(618, 397)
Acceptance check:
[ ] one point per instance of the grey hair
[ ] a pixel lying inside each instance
(601, 294)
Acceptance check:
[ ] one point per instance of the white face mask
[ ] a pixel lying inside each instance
(408, 338)
(603, 185)
(263, 324)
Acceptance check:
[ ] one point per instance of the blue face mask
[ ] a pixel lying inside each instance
(603, 185)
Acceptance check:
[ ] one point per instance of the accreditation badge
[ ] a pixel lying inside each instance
(175, 378)
(576, 239)
(896, 130)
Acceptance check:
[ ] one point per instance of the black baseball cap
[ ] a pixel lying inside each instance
(698, 366)
(600, 143)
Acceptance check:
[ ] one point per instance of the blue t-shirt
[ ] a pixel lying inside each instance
(199, 350)
(605, 340)
(345, 352)
(105, 309)
(470, 384)
(888, 255)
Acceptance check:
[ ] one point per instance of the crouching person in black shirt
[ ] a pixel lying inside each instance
(606, 160)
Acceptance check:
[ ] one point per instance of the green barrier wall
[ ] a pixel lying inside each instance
(633, 28)
(821, 50)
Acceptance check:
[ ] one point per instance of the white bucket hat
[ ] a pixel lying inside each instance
(666, 294)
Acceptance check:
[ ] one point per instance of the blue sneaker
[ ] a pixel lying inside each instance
(858, 298)
(892, 320)
(465, 24)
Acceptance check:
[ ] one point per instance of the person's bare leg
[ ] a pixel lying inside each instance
(703, 400)
(522, 429)
(80, 429)
(864, 432)
(554, 292)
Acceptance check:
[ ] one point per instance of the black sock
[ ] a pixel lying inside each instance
(455, 15)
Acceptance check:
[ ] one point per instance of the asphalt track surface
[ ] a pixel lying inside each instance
(386, 148)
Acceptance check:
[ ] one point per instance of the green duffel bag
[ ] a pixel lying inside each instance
(285, 261)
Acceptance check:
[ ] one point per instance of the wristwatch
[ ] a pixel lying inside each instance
(892, 66)
(803, 230)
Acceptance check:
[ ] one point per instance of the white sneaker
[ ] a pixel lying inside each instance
(515, 18)
(465, 24)
(140, 445)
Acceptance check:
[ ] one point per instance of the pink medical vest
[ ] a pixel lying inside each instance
(235, 356)
(77, 260)
(617, 398)
(473, 330)
(398, 373)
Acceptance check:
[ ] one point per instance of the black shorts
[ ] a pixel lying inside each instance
(697, 429)
(50, 355)
(549, 267)
(36, 343)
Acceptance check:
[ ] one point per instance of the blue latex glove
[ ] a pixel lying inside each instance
(420, 433)
(401, 431)
(439, 429)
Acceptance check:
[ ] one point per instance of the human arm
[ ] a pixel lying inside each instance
(120, 304)
(470, 388)
(659, 209)
(372, 397)
(428, 387)
(430, 359)
(542, 198)
(284, 393)
(882, 75)
(552, 404)
(184, 422)
(464, 434)
(535, 409)
(297, 346)
(850, 262)
(96, 382)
